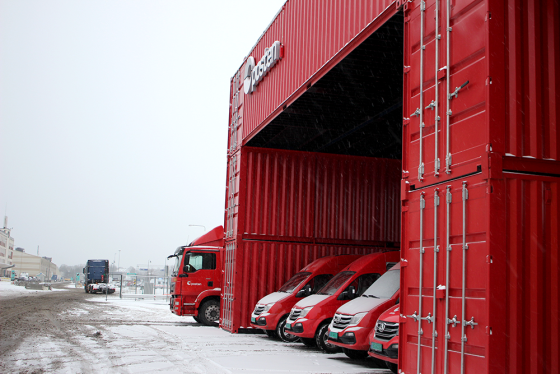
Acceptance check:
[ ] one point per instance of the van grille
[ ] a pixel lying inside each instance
(295, 314)
(386, 330)
(341, 321)
(258, 309)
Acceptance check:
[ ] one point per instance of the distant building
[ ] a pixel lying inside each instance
(6, 249)
(34, 265)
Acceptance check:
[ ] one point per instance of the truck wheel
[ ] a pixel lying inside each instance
(284, 335)
(209, 313)
(196, 319)
(85, 288)
(355, 354)
(322, 342)
(309, 342)
(393, 367)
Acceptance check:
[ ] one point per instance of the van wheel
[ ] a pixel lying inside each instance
(284, 335)
(271, 334)
(355, 354)
(309, 342)
(321, 338)
(393, 367)
(209, 313)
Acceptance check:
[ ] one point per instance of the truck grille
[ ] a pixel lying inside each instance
(258, 310)
(341, 321)
(295, 314)
(386, 330)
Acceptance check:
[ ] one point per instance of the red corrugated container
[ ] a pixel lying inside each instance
(494, 63)
(496, 249)
(315, 36)
(306, 204)
(315, 198)
(256, 268)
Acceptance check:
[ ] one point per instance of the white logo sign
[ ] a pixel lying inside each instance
(194, 284)
(255, 73)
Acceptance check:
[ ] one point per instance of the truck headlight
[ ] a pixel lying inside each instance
(356, 318)
(305, 311)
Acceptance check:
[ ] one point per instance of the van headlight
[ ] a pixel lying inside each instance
(267, 307)
(357, 318)
(305, 311)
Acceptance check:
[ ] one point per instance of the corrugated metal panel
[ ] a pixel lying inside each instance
(261, 267)
(505, 53)
(506, 230)
(313, 197)
(312, 33)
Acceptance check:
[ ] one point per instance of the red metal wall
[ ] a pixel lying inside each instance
(508, 51)
(261, 267)
(317, 198)
(509, 228)
(287, 208)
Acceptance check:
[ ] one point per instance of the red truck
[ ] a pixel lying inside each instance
(384, 338)
(310, 317)
(196, 278)
(353, 322)
(271, 311)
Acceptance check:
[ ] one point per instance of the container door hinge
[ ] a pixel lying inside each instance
(429, 318)
(453, 321)
(414, 316)
(421, 171)
(416, 112)
(442, 73)
(448, 162)
(470, 323)
(431, 106)
(457, 89)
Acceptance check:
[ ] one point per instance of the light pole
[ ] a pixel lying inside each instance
(119, 269)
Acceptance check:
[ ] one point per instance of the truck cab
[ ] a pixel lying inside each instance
(96, 273)
(271, 311)
(384, 338)
(353, 322)
(196, 278)
(310, 318)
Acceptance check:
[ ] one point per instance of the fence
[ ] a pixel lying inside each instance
(141, 286)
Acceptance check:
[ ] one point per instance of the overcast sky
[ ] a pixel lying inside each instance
(113, 122)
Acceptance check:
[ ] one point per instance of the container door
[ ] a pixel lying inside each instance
(228, 287)
(445, 281)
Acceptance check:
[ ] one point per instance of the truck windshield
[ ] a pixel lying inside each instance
(384, 287)
(294, 282)
(334, 284)
(177, 264)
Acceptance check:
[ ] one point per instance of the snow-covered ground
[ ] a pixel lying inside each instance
(128, 336)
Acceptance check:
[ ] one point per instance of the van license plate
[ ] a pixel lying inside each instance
(288, 325)
(253, 319)
(333, 335)
(377, 347)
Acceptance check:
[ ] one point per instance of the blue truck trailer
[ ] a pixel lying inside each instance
(96, 276)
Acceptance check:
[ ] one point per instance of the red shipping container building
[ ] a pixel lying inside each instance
(464, 95)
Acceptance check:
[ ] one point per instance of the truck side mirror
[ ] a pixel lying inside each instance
(183, 275)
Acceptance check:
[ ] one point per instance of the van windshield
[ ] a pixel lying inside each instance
(384, 287)
(334, 284)
(294, 282)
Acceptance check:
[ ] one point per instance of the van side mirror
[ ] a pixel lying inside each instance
(398, 301)
(301, 293)
(344, 295)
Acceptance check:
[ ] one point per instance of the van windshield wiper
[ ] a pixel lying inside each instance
(375, 297)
